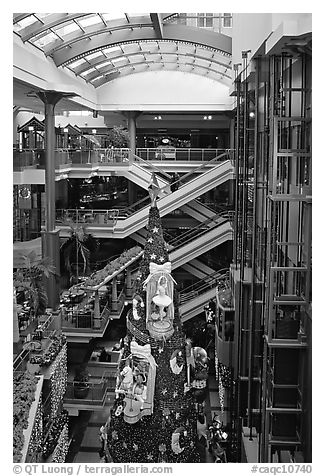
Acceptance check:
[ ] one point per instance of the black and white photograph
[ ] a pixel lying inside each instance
(162, 240)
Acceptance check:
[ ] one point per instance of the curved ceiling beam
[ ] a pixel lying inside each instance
(110, 77)
(110, 69)
(50, 22)
(91, 31)
(103, 59)
(172, 32)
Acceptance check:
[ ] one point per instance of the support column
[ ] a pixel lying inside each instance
(114, 295)
(128, 293)
(96, 311)
(132, 129)
(50, 237)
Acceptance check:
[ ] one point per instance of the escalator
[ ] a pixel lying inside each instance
(194, 298)
(199, 240)
(207, 176)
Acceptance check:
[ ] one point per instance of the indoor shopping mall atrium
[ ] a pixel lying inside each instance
(162, 222)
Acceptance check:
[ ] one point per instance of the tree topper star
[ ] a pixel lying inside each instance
(161, 259)
(150, 240)
(149, 457)
(164, 391)
(153, 256)
(155, 229)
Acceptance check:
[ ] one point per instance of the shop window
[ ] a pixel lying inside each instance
(205, 20)
(227, 20)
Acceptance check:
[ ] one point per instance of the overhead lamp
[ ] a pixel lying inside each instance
(252, 114)
(209, 117)
(205, 118)
(94, 131)
(30, 128)
(65, 129)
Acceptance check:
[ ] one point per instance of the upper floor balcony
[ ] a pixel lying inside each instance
(68, 160)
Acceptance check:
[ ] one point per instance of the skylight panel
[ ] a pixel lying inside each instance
(90, 70)
(112, 16)
(113, 49)
(94, 55)
(106, 63)
(77, 63)
(25, 23)
(45, 40)
(89, 21)
(66, 29)
(97, 78)
(119, 61)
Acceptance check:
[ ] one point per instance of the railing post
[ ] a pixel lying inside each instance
(114, 294)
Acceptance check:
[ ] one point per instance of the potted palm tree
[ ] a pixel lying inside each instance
(81, 382)
(76, 250)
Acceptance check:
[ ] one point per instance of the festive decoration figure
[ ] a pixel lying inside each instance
(175, 440)
(126, 376)
(176, 362)
(137, 300)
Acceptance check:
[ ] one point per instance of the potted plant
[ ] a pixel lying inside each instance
(81, 382)
(30, 279)
(118, 138)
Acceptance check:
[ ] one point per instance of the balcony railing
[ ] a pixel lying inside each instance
(181, 154)
(70, 216)
(94, 394)
(87, 157)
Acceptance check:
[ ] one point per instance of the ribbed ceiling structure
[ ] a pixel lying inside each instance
(100, 47)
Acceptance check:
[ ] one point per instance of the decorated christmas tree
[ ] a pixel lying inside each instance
(161, 377)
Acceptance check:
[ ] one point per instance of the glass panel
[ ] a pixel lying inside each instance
(119, 61)
(84, 22)
(227, 20)
(77, 63)
(113, 49)
(112, 16)
(24, 23)
(45, 40)
(88, 71)
(66, 29)
(106, 63)
(94, 55)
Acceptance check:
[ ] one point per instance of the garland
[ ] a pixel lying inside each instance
(99, 276)
(24, 387)
(62, 447)
(53, 438)
(58, 379)
(35, 445)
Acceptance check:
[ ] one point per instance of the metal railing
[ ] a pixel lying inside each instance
(94, 393)
(96, 217)
(178, 154)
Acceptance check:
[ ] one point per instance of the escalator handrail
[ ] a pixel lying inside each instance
(151, 166)
(192, 233)
(204, 284)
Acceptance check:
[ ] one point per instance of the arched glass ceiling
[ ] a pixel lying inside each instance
(100, 47)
